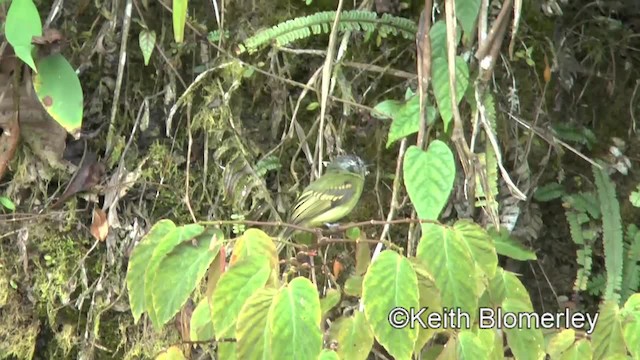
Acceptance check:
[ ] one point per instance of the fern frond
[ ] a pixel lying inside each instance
(631, 279)
(612, 233)
(320, 23)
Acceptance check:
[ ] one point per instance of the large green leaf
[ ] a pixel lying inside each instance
(428, 177)
(294, 320)
(470, 347)
(429, 296)
(632, 334)
(440, 80)
(579, 351)
(181, 271)
(608, 339)
(252, 329)
(438, 35)
(560, 342)
(22, 24)
(327, 354)
(59, 91)
(165, 246)
(448, 259)
(138, 265)
(201, 327)
(526, 343)
(353, 335)
(480, 244)
(391, 283)
(235, 286)
(467, 13)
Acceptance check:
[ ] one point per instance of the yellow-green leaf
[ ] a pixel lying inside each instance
(252, 329)
(580, 350)
(470, 347)
(58, 88)
(329, 301)
(607, 339)
(449, 261)
(179, 19)
(234, 287)
(353, 335)
(201, 327)
(294, 319)
(391, 284)
(560, 342)
(480, 245)
(441, 90)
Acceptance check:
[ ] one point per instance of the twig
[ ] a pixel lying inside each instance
(126, 22)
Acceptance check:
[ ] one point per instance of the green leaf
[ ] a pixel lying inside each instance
(560, 342)
(448, 259)
(632, 334)
(166, 244)
(429, 296)
(548, 192)
(179, 19)
(608, 339)
(579, 351)
(353, 335)
(7, 203)
(327, 354)
(22, 24)
(294, 319)
(329, 301)
(255, 243)
(467, 13)
(406, 117)
(480, 245)
(634, 198)
(428, 177)
(147, 41)
(470, 347)
(438, 35)
(201, 327)
(440, 80)
(391, 283)
(58, 88)
(235, 286)
(507, 246)
(181, 271)
(138, 262)
(526, 343)
(353, 285)
(252, 329)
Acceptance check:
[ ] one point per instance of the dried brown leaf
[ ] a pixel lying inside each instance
(99, 225)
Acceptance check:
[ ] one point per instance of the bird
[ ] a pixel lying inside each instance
(329, 198)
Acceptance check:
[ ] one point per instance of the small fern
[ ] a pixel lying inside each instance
(320, 23)
(582, 233)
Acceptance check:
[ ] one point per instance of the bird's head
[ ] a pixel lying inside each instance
(350, 163)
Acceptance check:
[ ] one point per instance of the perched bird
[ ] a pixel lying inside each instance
(330, 197)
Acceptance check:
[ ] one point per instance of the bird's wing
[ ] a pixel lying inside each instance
(321, 196)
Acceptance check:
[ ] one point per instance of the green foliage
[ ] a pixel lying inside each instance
(147, 42)
(22, 24)
(59, 91)
(441, 89)
(405, 115)
(612, 233)
(319, 23)
(7, 203)
(179, 16)
(428, 177)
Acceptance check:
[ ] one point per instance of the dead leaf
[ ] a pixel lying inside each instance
(99, 225)
(8, 139)
(89, 174)
(337, 268)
